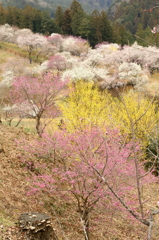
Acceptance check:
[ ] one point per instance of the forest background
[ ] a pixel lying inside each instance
(123, 23)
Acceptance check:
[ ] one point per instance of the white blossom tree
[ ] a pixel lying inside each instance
(32, 42)
(6, 33)
(75, 45)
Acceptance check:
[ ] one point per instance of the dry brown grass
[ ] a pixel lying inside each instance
(153, 86)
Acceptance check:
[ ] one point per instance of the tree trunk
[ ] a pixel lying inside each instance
(36, 226)
(85, 224)
(38, 123)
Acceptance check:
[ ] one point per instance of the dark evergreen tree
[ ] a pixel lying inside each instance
(8, 15)
(96, 25)
(2, 15)
(76, 21)
(121, 35)
(48, 25)
(28, 15)
(85, 27)
(59, 16)
(37, 21)
(15, 16)
(106, 29)
(66, 25)
(75, 7)
(141, 34)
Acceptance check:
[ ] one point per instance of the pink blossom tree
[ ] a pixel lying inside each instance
(92, 168)
(57, 62)
(56, 39)
(36, 96)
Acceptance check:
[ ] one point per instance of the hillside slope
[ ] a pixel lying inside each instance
(14, 200)
(131, 13)
(51, 5)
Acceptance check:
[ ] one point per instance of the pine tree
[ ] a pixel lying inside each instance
(37, 21)
(122, 36)
(2, 15)
(66, 24)
(76, 21)
(59, 16)
(9, 18)
(140, 33)
(106, 29)
(75, 7)
(85, 27)
(15, 16)
(96, 25)
(28, 17)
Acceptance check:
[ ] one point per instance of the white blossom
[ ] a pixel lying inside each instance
(6, 33)
(133, 73)
(40, 68)
(79, 73)
(7, 78)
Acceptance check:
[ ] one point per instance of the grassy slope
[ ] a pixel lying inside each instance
(13, 49)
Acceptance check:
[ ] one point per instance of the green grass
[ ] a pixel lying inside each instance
(4, 56)
(29, 125)
(13, 46)
(22, 51)
(5, 221)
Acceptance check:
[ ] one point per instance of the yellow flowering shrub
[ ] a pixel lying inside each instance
(134, 112)
(85, 105)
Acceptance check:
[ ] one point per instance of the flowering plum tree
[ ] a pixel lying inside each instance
(40, 42)
(39, 95)
(31, 42)
(112, 55)
(75, 45)
(96, 167)
(56, 40)
(7, 78)
(5, 84)
(57, 62)
(133, 73)
(17, 69)
(6, 33)
(22, 32)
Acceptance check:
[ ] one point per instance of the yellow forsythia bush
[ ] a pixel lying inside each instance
(133, 112)
(86, 106)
